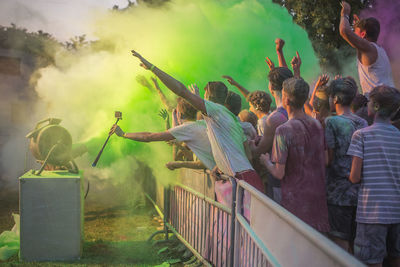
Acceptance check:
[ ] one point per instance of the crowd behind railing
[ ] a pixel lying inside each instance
(331, 158)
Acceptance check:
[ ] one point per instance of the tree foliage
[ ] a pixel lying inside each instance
(41, 45)
(321, 18)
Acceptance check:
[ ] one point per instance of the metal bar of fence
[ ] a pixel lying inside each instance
(325, 246)
(247, 237)
(198, 218)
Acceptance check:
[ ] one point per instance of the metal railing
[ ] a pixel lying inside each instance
(282, 238)
(205, 226)
(222, 236)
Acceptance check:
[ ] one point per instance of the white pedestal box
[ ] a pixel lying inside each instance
(51, 210)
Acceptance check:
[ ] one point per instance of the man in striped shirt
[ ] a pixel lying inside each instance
(376, 164)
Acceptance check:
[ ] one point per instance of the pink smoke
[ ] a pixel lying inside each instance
(388, 14)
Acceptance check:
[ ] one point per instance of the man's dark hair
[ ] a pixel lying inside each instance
(371, 27)
(248, 116)
(188, 112)
(260, 100)
(358, 102)
(297, 90)
(233, 102)
(387, 98)
(344, 89)
(277, 76)
(217, 92)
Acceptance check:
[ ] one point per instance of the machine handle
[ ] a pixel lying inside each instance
(51, 121)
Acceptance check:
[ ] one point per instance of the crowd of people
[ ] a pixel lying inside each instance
(331, 157)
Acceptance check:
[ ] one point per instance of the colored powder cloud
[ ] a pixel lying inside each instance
(194, 41)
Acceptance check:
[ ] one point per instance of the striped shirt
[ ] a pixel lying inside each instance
(379, 196)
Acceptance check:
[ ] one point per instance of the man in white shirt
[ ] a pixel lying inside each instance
(223, 128)
(193, 133)
(373, 63)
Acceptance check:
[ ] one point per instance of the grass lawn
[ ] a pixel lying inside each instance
(114, 236)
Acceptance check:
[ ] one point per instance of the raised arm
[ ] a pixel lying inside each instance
(163, 98)
(242, 90)
(322, 80)
(279, 43)
(296, 63)
(165, 116)
(142, 136)
(347, 33)
(174, 85)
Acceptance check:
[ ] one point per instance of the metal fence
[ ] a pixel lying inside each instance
(222, 236)
(202, 224)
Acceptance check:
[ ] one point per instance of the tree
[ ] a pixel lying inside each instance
(320, 19)
(39, 44)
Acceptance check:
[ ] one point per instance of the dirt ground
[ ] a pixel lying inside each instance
(114, 236)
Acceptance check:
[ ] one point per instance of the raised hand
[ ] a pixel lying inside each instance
(117, 130)
(338, 77)
(270, 63)
(229, 79)
(346, 8)
(143, 81)
(279, 43)
(163, 114)
(194, 89)
(322, 80)
(144, 63)
(356, 19)
(296, 63)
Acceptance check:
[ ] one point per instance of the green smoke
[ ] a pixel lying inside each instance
(195, 41)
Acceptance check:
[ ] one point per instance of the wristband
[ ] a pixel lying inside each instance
(152, 67)
(124, 135)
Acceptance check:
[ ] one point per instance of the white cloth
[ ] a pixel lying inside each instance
(226, 137)
(248, 130)
(194, 134)
(375, 74)
(261, 125)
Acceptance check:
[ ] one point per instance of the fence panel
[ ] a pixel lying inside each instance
(275, 237)
(204, 225)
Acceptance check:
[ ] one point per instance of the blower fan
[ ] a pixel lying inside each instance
(51, 145)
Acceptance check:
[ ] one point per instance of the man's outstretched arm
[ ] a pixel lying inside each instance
(174, 85)
(142, 136)
(172, 165)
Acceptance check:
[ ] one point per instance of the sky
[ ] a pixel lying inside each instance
(61, 18)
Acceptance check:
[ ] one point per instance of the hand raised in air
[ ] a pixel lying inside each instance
(229, 79)
(144, 63)
(296, 63)
(164, 114)
(270, 63)
(322, 80)
(194, 89)
(279, 43)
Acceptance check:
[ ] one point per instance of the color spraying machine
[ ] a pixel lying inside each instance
(51, 199)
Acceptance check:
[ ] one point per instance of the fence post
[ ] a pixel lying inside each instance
(233, 218)
(167, 190)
